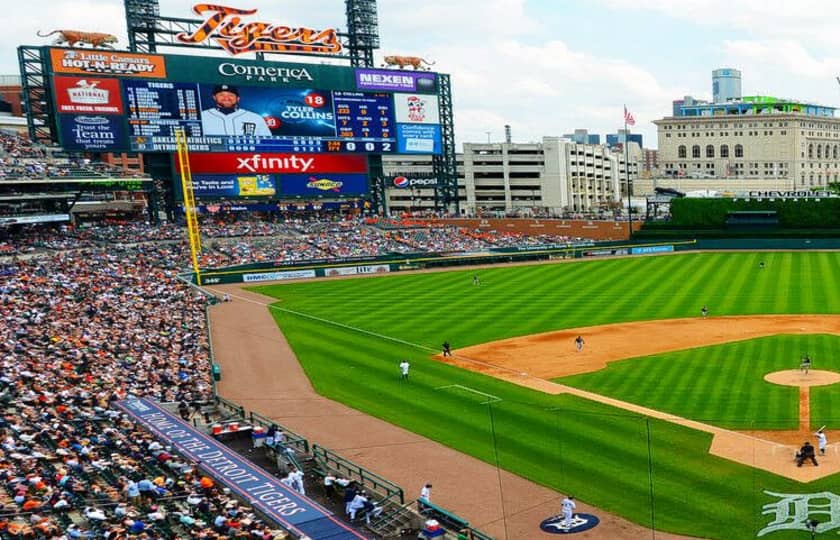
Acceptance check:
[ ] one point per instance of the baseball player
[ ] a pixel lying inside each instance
(426, 492)
(821, 441)
(404, 366)
(568, 505)
(579, 343)
(226, 118)
(805, 365)
(704, 311)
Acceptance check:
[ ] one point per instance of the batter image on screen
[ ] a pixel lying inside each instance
(227, 118)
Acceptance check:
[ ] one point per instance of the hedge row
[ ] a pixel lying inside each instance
(800, 214)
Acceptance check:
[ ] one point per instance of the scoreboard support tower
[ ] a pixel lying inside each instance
(36, 95)
(445, 165)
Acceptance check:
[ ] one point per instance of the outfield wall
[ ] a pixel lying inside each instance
(590, 229)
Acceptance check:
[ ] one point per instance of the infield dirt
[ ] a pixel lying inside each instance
(531, 361)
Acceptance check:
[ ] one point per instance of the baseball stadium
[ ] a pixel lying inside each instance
(249, 297)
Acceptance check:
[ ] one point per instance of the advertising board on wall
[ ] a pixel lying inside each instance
(646, 250)
(256, 163)
(276, 276)
(408, 181)
(88, 95)
(278, 175)
(116, 63)
(355, 270)
(395, 81)
(232, 105)
(97, 133)
(270, 185)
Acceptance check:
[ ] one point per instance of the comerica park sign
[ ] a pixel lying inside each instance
(224, 26)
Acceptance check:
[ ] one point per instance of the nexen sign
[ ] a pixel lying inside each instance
(403, 182)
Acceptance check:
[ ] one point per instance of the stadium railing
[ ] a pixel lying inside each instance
(295, 440)
(329, 461)
(450, 521)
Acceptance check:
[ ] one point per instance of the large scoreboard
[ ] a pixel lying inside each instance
(113, 101)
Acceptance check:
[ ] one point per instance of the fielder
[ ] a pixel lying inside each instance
(404, 366)
(568, 505)
(805, 365)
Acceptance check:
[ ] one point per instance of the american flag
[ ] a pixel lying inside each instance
(628, 117)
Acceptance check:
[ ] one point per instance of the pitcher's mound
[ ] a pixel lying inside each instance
(795, 377)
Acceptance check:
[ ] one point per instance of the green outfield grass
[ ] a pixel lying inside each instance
(724, 384)
(652, 472)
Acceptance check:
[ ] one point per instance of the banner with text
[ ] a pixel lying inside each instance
(254, 163)
(265, 492)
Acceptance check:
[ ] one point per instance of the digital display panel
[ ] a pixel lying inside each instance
(227, 105)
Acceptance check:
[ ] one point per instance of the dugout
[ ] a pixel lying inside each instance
(752, 220)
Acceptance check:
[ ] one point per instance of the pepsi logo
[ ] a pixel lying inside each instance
(401, 182)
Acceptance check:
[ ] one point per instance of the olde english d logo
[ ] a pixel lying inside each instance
(223, 25)
(579, 523)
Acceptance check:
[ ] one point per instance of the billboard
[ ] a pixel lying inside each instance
(310, 186)
(277, 175)
(88, 95)
(407, 181)
(233, 105)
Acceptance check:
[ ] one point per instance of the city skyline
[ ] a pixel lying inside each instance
(546, 68)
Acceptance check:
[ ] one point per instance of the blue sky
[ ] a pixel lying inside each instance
(547, 67)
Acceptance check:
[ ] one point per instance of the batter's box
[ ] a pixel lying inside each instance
(467, 391)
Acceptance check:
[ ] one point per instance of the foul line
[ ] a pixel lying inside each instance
(492, 398)
(335, 323)
(383, 336)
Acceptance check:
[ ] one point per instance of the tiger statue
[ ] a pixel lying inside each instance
(71, 37)
(415, 61)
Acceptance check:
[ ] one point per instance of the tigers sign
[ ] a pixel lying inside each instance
(224, 26)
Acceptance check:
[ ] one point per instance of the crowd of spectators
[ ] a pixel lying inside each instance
(84, 328)
(96, 314)
(283, 241)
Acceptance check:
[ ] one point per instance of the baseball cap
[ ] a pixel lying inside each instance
(225, 88)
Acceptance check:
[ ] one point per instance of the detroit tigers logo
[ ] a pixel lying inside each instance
(579, 523)
(793, 512)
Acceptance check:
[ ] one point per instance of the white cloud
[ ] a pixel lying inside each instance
(812, 21)
(507, 67)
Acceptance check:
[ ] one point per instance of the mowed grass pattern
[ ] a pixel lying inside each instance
(652, 472)
(724, 384)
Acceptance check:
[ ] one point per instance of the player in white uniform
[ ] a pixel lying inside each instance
(226, 118)
(821, 441)
(568, 506)
(404, 366)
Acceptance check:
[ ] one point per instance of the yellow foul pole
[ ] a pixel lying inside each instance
(189, 201)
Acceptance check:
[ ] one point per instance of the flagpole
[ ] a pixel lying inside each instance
(627, 173)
